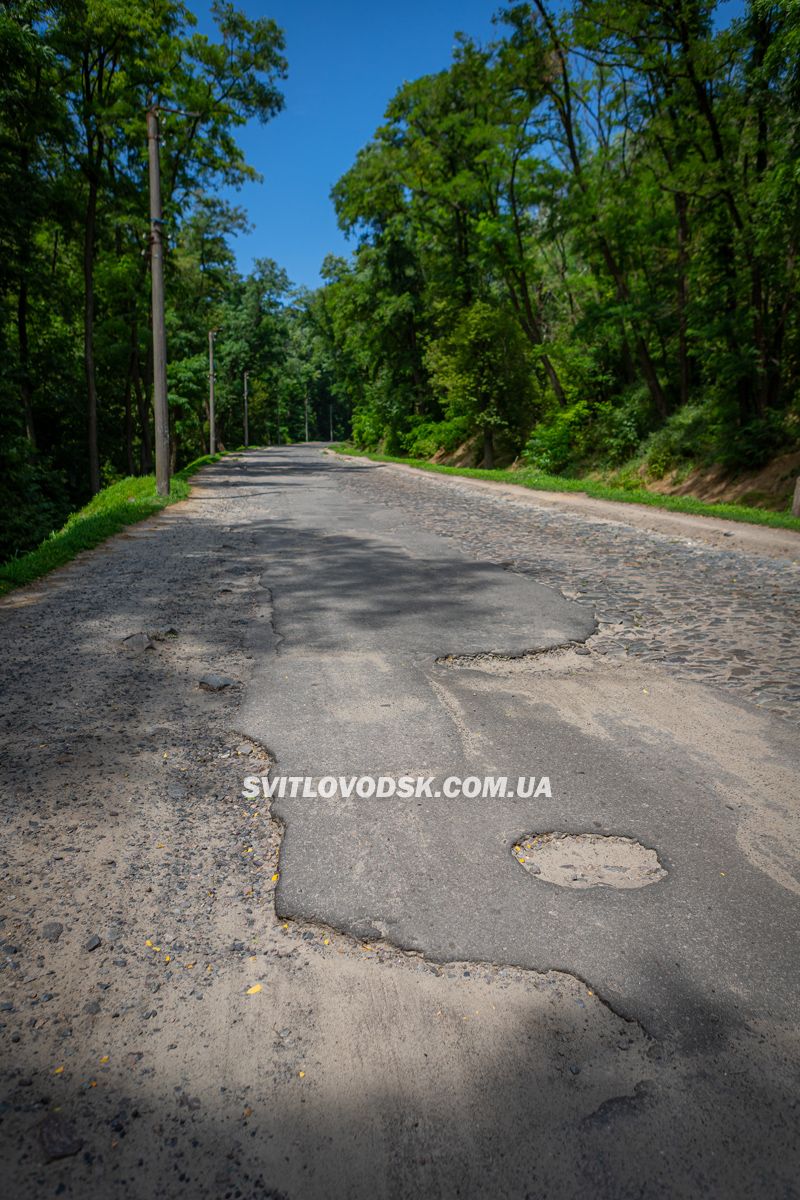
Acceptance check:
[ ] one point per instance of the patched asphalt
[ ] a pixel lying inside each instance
(363, 604)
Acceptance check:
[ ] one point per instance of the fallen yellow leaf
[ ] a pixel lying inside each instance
(148, 942)
(302, 1074)
(58, 1070)
(254, 990)
(105, 1058)
(275, 878)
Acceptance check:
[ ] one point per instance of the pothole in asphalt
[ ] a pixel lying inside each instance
(558, 659)
(587, 860)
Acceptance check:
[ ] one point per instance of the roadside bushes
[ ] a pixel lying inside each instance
(428, 437)
(617, 429)
(553, 443)
(707, 432)
(367, 429)
(685, 436)
(589, 433)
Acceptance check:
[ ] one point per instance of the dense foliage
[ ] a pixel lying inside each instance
(580, 243)
(76, 78)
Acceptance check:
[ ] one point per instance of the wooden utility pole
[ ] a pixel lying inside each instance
(246, 377)
(212, 426)
(159, 333)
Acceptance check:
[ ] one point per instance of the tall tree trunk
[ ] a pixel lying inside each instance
(129, 400)
(89, 235)
(532, 324)
(646, 364)
(173, 444)
(555, 382)
(529, 325)
(488, 447)
(129, 428)
(628, 366)
(146, 445)
(129, 424)
(683, 297)
(748, 389)
(26, 384)
(768, 375)
(564, 107)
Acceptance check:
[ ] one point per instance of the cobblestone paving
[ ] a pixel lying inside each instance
(722, 617)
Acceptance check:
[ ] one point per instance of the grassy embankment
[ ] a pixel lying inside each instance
(121, 504)
(530, 478)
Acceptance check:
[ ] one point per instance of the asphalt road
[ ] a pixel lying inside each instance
(391, 1002)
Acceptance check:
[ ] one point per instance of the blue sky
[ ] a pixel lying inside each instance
(346, 60)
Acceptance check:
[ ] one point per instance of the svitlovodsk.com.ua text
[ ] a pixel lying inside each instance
(404, 787)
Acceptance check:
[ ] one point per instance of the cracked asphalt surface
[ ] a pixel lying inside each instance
(200, 997)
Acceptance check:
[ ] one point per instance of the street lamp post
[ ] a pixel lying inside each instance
(212, 426)
(246, 377)
(160, 408)
(160, 404)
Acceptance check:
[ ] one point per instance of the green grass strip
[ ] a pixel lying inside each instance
(529, 478)
(123, 503)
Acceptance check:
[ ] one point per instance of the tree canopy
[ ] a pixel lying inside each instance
(580, 239)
